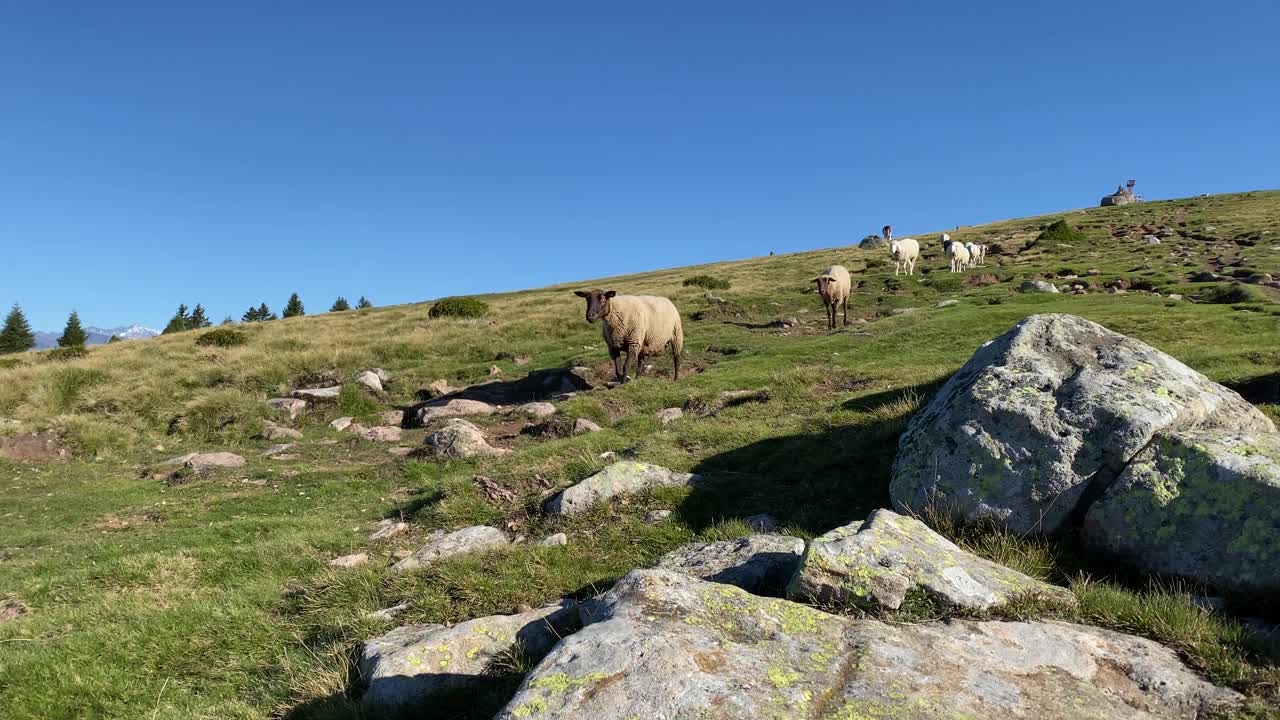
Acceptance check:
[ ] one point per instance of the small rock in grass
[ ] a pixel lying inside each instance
(325, 393)
(293, 406)
(537, 409)
(554, 540)
(389, 528)
(762, 523)
(583, 425)
(393, 417)
(669, 415)
(277, 449)
(342, 423)
(272, 431)
(370, 381)
(390, 613)
(656, 516)
(443, 544)
(947, 303)
(349, 561)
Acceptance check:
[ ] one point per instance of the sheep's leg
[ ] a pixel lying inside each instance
(675, 360)
(628, 361)
(639, 364)
(617, 363)
(846, 311)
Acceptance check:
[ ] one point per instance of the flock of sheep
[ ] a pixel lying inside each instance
(639, 326)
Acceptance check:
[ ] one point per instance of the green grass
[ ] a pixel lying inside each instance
(212, 598)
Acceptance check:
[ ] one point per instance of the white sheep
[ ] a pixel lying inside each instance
(973, 254)
(904, 253)
(635, 326)
(958, 253)
(833, 288)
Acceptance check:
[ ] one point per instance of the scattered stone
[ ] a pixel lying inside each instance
(626, 476)
(665, 645)
(874, 564)
(537, 409)
(1037, 286)
(204, 462)
(583, 425)
(325, 393)
(277, 449)
(494, 370)
(400, 451)
(762, 523)
(1091, 272)
(391, 613)
(380, 434)
(1174, 296)
(342, 423)
(654, 517)
(394, 418)
(759, 564)
(414, 663)
(438, 388)
(370, 381)
(33, 446)
(947, 303)
(495, 493)
(669, 415)
(902, 311)
(1052, 408)
(454, 408)
(349, 561)
(272, 431)
(460, 439)
(1202, 504)
(441, 544)
(383, 376)
(389, 528)
(554, 540)
(1151, 239)
(293, 406)
(522, 360)
(284, 456)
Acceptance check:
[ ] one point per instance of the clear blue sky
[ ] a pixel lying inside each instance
(229, 153)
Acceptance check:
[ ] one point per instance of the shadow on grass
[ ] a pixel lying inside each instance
(1262, 389)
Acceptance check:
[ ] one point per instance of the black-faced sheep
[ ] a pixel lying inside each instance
(635, 326)
(833, 288)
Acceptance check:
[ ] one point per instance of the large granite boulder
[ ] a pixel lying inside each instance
(1201, 504)
(874, 564)
(625, 476)
(413, 663)
(459, 439)
(1041, 419)
(664, 645)
(759, 564)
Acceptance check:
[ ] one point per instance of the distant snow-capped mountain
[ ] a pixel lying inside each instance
(97, 335)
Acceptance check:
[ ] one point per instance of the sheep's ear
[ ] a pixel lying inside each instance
(580, 293)
(611, 293)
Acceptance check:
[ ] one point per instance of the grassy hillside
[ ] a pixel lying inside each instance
(212, 598)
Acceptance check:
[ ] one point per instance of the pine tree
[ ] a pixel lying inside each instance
(364, 303)
(250, 315)
(294, 307)
(265, 314)
(198, 319)
(73, 335)
(178, 322)
(228, 321)
(16, 335)
(339, 305)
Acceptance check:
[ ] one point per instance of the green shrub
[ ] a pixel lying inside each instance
(223, 337)
(949, 282)
(1058, 232)
(10, 362)
(461, 307)
(708, 282)
(356, 403)
(62, 354)
(1230, 294)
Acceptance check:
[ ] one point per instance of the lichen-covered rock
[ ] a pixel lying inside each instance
(205, 462)
(324, 393)
(370, 381)
(1037, 286)
(393, 418)
(412, 663)
(1200, 504)
(537, 409)
(874, 564)
(583, 425)
(1054, 405)
(460, 439)
(292, 406)
(668, 415)
(342, 423)
(454, 408)
(441, 544)
(759, 564)
(626, 476)
(382, 433)
(272, 431)
(665, 645)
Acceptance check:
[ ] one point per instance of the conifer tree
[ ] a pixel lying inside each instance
(364, 303)
(198, 319)
(228, 321)
(339, 305)
(265, 314)
(250, 315)
(294, 307)
(178, 322)
(16, 335)
(73, 335)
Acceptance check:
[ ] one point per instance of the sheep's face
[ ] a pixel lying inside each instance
(824, 282)
(893, 249)
(597, 302)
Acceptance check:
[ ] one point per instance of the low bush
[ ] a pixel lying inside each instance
(1058, 232)
(1230, 294)
(708, 282)
(223, 337)
(460, 307)
(63, 354)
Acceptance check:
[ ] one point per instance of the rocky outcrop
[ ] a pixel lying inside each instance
(460, 439)
(413, 663)
(441, 544)
(874, 564)
(664, 645)
(1200, 504)
(759, 564)
(1040, 421)
(621, 477)
(292, 406)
